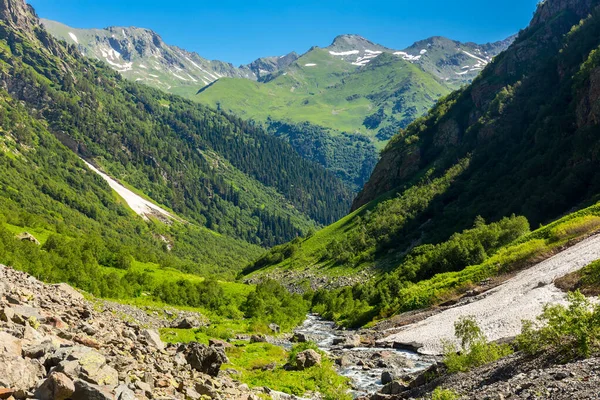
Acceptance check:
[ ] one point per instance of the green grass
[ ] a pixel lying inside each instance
(249, 361)
(40, 234)
(159, 274)
(332, 94)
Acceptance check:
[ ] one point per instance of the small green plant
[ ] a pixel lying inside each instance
(475, 349)
(444, 394)
(571, 331)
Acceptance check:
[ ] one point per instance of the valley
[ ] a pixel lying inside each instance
(337, 106)
(350, 222)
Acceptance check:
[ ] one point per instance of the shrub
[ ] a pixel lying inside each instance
(475, 351)
(571, 331)
(576, 227)
(444, 394)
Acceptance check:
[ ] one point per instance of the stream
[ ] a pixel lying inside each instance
(363, 365)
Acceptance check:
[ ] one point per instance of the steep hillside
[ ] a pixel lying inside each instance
(208, 167)
(521, 139)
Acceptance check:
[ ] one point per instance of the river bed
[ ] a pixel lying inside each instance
(363, 365)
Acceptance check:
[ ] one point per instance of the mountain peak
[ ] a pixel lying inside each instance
(353, 42)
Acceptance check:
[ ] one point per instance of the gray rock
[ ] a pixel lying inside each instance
(206, 359)
(152, 338)
(124, 393)
(7, 314)
(27, 312)
(395, 387)
(87, 391)
(275, 328)
(40, 350)
(187, 323)
(387, 377)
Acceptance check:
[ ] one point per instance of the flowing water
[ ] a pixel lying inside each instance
(365, 379)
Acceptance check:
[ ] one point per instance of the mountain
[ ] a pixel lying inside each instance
(522, 139)
(326, 103)
(232, 187)
(142, 56)
(352, 90)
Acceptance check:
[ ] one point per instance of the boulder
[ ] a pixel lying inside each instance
(152, 338)
(6, 393)
(219, 343)
(124, 393)
(26, 313)
(387, 377)
(299, 338)
(6, 314)
(81, 362)
(57, 386)
(87, 391)
(28, 237)
(10, 345)
(206, 359)
(187, 323)
(40, 350)
(275, 328)
(69, 291)
(19, 373)
(395, 387)
(307, 359)
(258, 339)
(408, 346)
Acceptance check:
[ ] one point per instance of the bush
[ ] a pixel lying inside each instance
(475, 351)
(444, 394)
(570, 332)
(576, 228)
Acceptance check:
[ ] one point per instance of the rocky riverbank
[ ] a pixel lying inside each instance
(56, 345)
(515, 377)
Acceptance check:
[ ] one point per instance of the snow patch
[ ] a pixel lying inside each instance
(179, 77)
(139, 205)
(423, 52)
(373, 52)
(310, 65)
(344, 53)
(74, 37)
(407, 57)
(143, 66)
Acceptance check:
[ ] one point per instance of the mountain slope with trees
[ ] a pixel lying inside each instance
(521, 139)
(209, 167)
(336, 106)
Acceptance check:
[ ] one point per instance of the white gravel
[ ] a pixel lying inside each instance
(139, 205)
(499, 312)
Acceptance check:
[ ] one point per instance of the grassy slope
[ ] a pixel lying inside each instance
(321, 94)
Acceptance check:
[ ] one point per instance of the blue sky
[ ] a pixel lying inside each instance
(241, 31)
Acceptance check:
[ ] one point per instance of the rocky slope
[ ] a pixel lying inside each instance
(141, 55)
(515, 377)
(56, 345)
